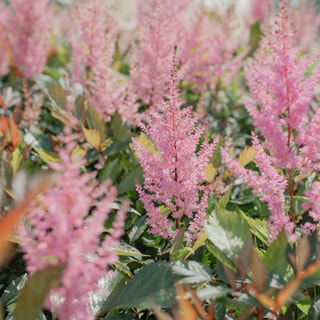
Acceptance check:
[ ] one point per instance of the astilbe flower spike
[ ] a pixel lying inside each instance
(160, 24)
(174, 173)
(93, 44)
(27, 29)
(60, 230)
(282, 85)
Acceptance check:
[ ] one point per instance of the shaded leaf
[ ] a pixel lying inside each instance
(137, 229)
(57, 95)
(35, 291)
(95, 122)
(154, 282)
(275, 259)
(129, 182)
(126, 250)
(314, 312)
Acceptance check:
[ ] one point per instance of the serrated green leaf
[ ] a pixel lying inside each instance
(34, 292)
(16, 160)
(181, 254)
(275, 259)
(228, 231)
(57, 95)
(314, 312)
(129, 182)
(223, 201)
(220, 256)
(191, 271)
(153, 282)
(258, 228)
(93, 137)
(138, 229)
(212, 292)
(116, 147)
(95, 122)
(47, 156)
(110, 170)
(120, 130)
(80, 111)
(126, 250)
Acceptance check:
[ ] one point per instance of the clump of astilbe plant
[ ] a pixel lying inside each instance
(93, 43)
(27, 28)
(160, 24)
(282, 82)
(173, 175)
(65, 227)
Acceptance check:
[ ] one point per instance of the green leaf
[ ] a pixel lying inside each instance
(80, 111)
(223, 201)
(221, 256)
(178, 241)
(154, 282)
(57, 95)
(137, 229)
(146, 142)
(120, 130)
(258, 228)
(129, 182)
(96, 123)
(275, 259)
(126, 250)
(16, 160)
(35, 291)
(228, 231)
(314, 312)
(212, 292)
(191, 271)
(116, 147)
(47, 156)
(109, 171)
(181, 254)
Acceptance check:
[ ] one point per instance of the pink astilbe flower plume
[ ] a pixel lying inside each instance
(27, 30)
(93, 44)
(160, 24)
(174, 173)
(65, 227)
(282, 83)
(278, 82)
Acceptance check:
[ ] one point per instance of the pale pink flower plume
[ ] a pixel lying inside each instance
(93, 43)
(173, 174)
(159, 25)
(62, 228)
(260, 9)
(280, 110)
(208, 51)
(27, 30)
(269, 184)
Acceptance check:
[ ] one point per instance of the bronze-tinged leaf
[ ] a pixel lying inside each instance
(14, 133)
(93, 137)
(161, 315)
(10, 220)
(303, 253)
(231, 276)
(198, 305)
(284, 295)
(1, 103)
(258, 271)
(4, 124)
(186, 308)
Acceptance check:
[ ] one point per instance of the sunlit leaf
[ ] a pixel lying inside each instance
(210, 172)
(93, 137)
(16, 160)
(47, 156)
(246, 156)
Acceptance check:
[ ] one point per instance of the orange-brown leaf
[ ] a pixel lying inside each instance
(14, 133)
(4, 124)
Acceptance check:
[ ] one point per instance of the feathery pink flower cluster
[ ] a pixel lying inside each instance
(26, 26)
(208, 50)
(173, 175)
(93, 42)
(282, 85)
(313, 205)
(271, 185)
(278, 82)
(62, 229)
(160, 23)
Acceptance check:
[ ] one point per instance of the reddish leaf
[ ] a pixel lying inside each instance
(14, 133)
(4, 124)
